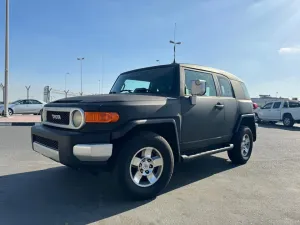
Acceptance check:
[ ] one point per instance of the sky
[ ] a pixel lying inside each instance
(257, 40)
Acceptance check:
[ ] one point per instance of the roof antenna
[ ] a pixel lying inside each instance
(175, 43)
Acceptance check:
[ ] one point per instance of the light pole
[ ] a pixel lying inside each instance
(6, 114)
(158, 61)
(80, 59)
(175, 43)
(2, 87)
(66, 80)
(99, 86)
(27, 88)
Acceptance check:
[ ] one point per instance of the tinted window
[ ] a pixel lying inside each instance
(276, 105)
(158, 81)
(191, 75)
(246, 93)
(226, 88)
(34, 102)
(294, 104)
(285, 105)
(268, 105)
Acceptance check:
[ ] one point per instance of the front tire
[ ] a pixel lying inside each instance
(243, 144)
(144, 166)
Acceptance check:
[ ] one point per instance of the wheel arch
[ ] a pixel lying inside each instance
(246, 120)
(287, 114)
(166, 128)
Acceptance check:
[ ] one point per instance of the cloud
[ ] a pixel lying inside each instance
(289, 50)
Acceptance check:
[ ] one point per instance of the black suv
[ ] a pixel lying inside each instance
(152, 118)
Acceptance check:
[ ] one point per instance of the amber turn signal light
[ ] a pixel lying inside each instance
(101, 117)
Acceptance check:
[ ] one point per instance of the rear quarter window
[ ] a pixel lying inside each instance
(245, 90)
(238, 90)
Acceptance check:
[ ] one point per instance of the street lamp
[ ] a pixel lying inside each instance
(99, 86)
(175, 43)
(66, 80)
(6, 114)
(158, 61)
(2, 87)
(80, 59)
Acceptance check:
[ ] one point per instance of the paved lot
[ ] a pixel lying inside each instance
(35, 190)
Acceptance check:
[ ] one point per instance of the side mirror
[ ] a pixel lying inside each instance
(198, 88)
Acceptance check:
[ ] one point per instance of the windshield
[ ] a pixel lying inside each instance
(15, 102)
(157, 81)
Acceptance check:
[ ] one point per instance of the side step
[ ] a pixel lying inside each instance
(190, 157)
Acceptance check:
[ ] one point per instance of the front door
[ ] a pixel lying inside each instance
(202, 124)
(276, 111)
(265, 112)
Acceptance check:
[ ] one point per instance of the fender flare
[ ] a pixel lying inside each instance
(122, 131)
(239, 121)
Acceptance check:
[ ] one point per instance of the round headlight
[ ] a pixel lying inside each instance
(77, 118)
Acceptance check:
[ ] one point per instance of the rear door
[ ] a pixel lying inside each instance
(230, 105)
(21, 107)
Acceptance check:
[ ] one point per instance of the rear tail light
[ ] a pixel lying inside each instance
(255, 106)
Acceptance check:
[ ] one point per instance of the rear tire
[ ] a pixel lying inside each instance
(144, 166)
(243, 144)
(288, 120)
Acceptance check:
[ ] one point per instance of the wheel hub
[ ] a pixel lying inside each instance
(146, 166)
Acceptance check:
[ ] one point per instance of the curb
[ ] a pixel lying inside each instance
(2, 124)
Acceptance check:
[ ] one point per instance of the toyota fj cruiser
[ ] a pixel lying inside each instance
(152, 118)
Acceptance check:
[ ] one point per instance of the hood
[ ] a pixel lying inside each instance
(111, 98)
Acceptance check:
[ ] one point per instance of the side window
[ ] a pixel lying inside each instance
(27, 102)
(294, 104)
(35, 102)
(22, 102)
(191, 75)
(285, 105)
(268, 105)
(246, 93)
(276, 105)
(226, 88)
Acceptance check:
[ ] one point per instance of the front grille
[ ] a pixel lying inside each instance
(46, 142)
(58, 117)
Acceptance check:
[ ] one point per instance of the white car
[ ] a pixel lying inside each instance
(285, 110)
(24, 106)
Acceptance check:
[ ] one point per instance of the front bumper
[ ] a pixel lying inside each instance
(72, 148)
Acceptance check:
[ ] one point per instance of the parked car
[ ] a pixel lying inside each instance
(24, 106)
(153, 118)
(286, 111)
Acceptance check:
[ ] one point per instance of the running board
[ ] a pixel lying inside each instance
(190, 157)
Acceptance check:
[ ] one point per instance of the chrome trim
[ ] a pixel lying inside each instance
(46, 151)
(93, 152)
(64, 109)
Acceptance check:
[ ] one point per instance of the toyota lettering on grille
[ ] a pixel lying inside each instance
(56, 117)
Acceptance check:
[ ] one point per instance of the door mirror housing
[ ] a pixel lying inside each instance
(198, 87)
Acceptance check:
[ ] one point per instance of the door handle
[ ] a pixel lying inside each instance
(219, 106)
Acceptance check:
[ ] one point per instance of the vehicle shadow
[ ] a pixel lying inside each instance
(64, 196)
(278, 126)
